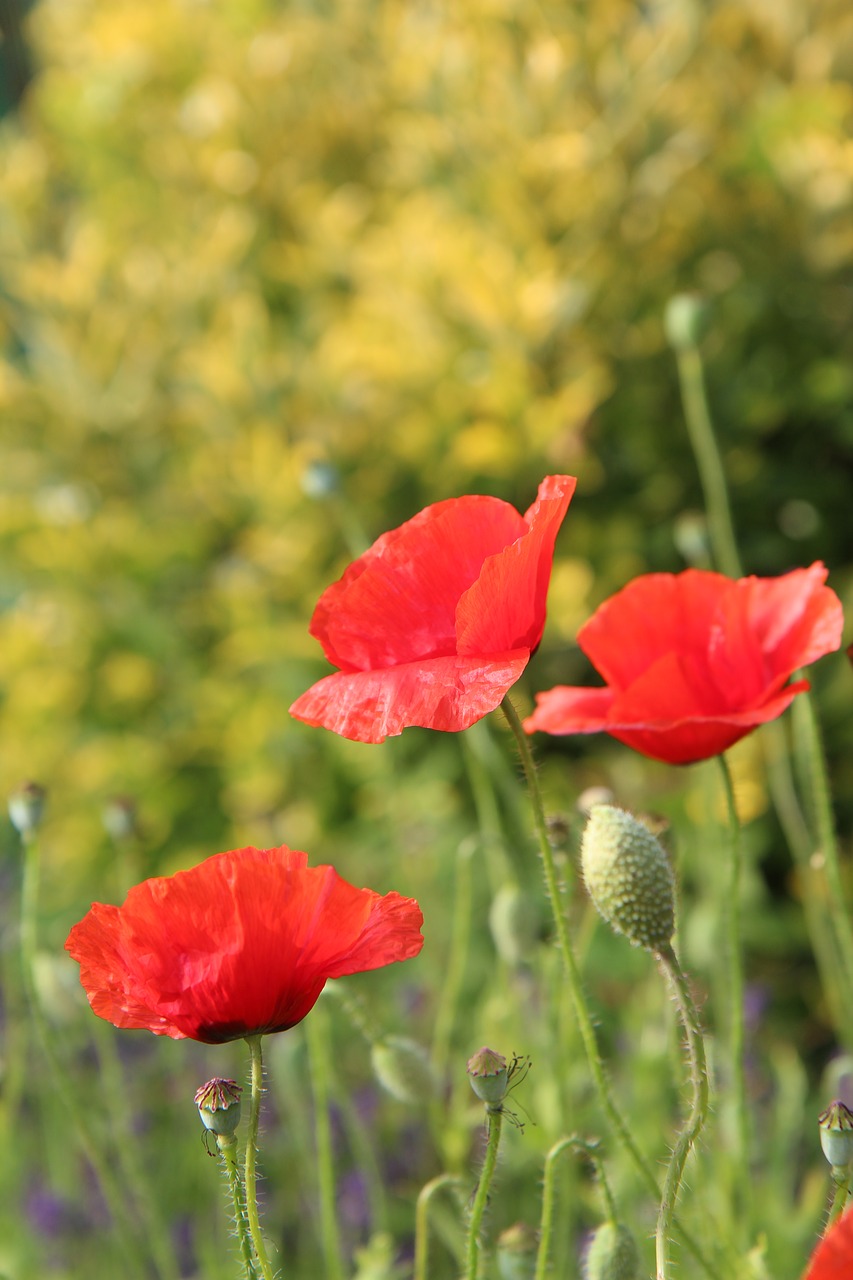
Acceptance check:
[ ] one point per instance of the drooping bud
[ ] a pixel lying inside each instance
(218, 1104)
(489, 1075)
(612, 1254)
(515, 921)
(517, 1248)
(685, 320)
(26, 807)
(836, 1134)
(403, 1068)
(628, 876)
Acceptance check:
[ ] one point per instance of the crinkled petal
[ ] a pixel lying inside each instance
(242, 944)
(447, 693)
(567, 709)
(505, 607)
(397, 602)
(796, 617)
(833, 1257)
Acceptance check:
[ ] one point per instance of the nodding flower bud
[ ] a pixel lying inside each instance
(836, 1134)
(218, 1104)
(403, 1068)
(517, 1249)
(612, 1254)
(26, 807)
(629, 877)
(515, 922)
(489, 1075)
(685, 320)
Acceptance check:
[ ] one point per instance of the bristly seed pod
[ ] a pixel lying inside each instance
(612, 1254)
(628, 876)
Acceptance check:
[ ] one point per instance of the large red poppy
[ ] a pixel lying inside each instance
(437, 620)
(833, 1257)
(694, 661)
(240, 945)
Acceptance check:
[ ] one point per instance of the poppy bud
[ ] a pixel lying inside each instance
(685, 321)
(515, 921)
(629, 877)
(517, 1248)
(119, 818)
(403, 1068)
(612, 1254)
(488, 1073)
(218, 1104)
(26, 807)
(836, 1134)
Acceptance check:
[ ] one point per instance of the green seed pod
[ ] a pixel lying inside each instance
(218, 1104)
(628, 876)
(516, 1250)
(516, 922)
(836, 1134)
(403, 1068)
(489, 1075)
(685, 321)
(612, 1254)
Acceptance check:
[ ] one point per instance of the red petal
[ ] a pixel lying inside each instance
(447, 693)
(397, 602)
(564, 709)
(833, 1257)
(505, 607)
(796, 617)
(240, 945)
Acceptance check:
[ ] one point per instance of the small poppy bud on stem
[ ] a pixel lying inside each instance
(612, 1254)
(403, 1068)
(685, 320)
(26, 807)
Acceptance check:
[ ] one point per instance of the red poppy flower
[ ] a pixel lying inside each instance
(438, 619)
(240, 945)
(833, 1257)
(694, 661)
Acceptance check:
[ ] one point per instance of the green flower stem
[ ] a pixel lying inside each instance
(318, 1052)
(735, 983)
(815, 761)
(67, 1091)
(698, 1109)
(840, 1191)
(605, 1096)
(708, 461)
(546, 1224)
(448, 1000)
(257, 1076)
(494, 1121)
(227, 1144)
(425, 1197)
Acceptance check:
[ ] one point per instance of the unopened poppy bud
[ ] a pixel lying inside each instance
(612, 1254)
(489, 1075)
(836, 1134)
(629, 877)
(517, 1248)
(685, 320)
(320, 480)
(26, 807)
(516, 922)
(403, 1068)
(218, 1104)
(119, 818)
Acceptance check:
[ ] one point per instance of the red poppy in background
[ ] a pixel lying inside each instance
(438, 619)
(240, 945)
(833, 1257)
(695, 661)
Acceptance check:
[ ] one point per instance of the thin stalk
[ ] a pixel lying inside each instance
(425, 1197)
(825, 823)
(318, 1053)
(494, 1121)
(251, 1176)
(734, 960)
(227, 1144)
(698, 1109)
(546, 1224)
(605, 1096)
(840, 1191)
(708, 461)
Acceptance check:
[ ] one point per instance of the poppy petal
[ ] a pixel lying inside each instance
(505, 607)
(833, 1257)
(448, 693)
